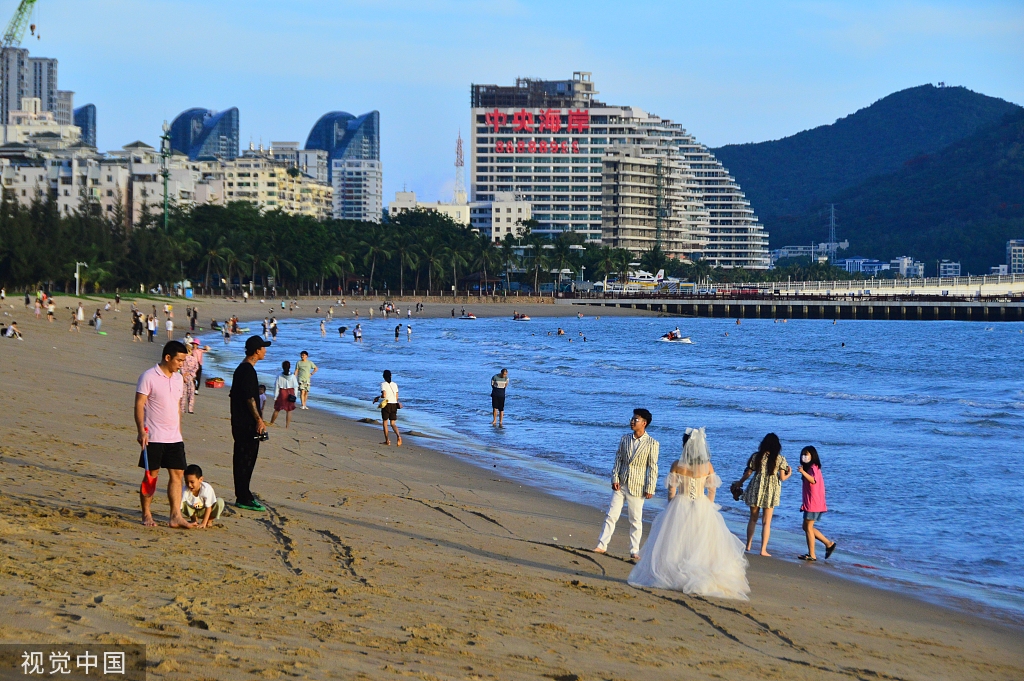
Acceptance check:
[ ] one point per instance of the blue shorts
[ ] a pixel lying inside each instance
(813, 515)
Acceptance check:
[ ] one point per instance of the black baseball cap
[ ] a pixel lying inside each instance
(254, 343)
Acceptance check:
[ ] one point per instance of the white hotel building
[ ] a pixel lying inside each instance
(546, 141)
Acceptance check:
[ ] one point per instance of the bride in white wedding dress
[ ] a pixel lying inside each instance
(690, 549)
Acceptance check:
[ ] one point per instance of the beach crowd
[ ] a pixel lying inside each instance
(689, 549)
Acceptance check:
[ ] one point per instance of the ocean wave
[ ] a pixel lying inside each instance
(892, 399)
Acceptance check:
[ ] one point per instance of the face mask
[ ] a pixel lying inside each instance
(806, 458)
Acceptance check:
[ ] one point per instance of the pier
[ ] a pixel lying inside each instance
(806, 307)
(967, 299)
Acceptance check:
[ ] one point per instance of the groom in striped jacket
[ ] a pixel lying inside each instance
(634, 478)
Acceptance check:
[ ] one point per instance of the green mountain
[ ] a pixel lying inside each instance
(790, 176)
(962, 203)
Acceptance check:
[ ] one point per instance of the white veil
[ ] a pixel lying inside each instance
(695, 461)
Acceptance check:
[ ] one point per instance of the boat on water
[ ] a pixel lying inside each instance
(469, 315)
(669, 338)
(521, 318)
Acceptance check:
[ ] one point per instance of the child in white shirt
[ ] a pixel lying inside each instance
(198, 501)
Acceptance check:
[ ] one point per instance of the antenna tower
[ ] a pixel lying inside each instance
(460, 173)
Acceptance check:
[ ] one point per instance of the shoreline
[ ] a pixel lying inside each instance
(933, 589)
(388, 561)
(551, 479)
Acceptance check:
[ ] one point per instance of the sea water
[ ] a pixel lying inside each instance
(919, 425)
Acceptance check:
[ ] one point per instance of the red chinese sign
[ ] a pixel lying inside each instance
(544, 120)
(536, 147)
(540, 121)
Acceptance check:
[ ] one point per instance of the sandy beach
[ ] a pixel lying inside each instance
(381, 562)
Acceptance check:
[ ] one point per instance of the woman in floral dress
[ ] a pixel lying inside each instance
(769, 469)
(188, 374)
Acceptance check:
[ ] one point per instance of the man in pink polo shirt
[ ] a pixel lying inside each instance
(158, 420)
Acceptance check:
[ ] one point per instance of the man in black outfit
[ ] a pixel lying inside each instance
(246, 423)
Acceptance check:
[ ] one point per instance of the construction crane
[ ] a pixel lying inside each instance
(19, 22)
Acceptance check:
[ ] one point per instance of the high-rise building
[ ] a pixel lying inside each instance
(24, 76)
(202, 134)
(344, 136)
(500, 217)
(15, 81)
(64, 107)
(85, 120)
(358, 189)
(352, 145)
(1015, 256)
(44, 82)
(546, 141)
(650, 200)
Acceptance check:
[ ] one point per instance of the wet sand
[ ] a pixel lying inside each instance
(383, 562)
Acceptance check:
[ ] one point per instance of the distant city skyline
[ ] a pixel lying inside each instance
(728, 73)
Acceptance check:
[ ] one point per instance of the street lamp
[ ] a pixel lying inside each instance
(77, 278)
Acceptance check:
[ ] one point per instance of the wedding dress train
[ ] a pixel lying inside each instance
(690, 549)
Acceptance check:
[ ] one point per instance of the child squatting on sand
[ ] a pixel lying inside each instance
(198, 501)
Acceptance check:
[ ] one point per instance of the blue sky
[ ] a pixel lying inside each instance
(728, 71)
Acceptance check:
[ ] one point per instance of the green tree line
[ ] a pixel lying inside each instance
(223, 248)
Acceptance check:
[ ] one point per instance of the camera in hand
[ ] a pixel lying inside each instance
(262, 437)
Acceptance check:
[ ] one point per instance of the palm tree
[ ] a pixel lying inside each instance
(508, 254)
(433, 253)
(215, 254)
(338, 265)
(535, 243)
(560, 256)
(406, 251)
(486, 255)
(606, 263)
(233, 262)
(456, 258)
(700, 269)
(276, 263)
(653, 259)
(376, 248)
(622, 260)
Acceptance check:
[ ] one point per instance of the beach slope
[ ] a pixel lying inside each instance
(382, 562)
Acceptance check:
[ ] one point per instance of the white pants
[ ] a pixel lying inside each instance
(635, 509)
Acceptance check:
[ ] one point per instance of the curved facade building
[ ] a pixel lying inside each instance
(615, 174)
(85, 118)
(352, 144)
(204, 135)
(347, 137)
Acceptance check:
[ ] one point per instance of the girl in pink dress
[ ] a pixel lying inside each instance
(813, 501)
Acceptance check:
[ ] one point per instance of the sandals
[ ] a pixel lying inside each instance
(807, 558)
(830, 549)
